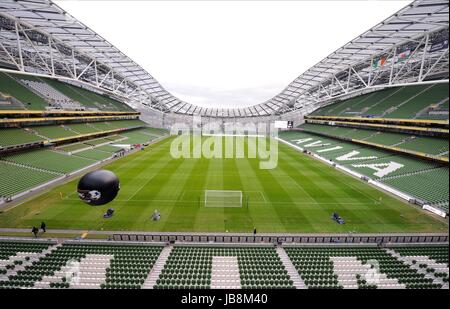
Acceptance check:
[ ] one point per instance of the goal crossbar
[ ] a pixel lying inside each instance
(223, 198)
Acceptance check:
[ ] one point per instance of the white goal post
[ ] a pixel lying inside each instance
(223, 198)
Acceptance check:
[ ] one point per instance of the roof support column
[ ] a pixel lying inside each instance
(19, 46)
(424, 54)
(370, 72)
(52, 61)
(392, 65)
(348, 79)
(74, 63)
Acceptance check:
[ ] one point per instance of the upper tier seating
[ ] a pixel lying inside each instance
(57, 99)
(409, 102)
(87, 98)
(11, 87)
(38, 93)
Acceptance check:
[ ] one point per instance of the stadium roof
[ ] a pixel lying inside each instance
(84, 55)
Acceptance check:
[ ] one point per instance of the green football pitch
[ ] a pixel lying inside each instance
(299, 195)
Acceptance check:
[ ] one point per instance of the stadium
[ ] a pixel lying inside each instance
(341, 181)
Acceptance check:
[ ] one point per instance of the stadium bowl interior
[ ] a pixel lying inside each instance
(350, 190)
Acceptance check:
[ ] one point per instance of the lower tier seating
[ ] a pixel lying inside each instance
(15, 179)
(50, 160)
(10, 249)
(117, 265)
(94, 154)
(420, 185)
(192, 268)
(355, 267)
(95, 265)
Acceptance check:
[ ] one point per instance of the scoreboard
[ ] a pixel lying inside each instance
(284, 124)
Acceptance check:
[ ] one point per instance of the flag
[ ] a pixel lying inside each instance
(379, 62)
(403, 56)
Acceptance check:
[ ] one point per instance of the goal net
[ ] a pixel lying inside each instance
(223, 198)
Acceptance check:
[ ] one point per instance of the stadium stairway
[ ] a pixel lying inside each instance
(225, 273)
(154, 274)
(94, 265)
(292, 272)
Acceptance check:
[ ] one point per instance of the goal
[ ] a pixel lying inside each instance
(223, 198)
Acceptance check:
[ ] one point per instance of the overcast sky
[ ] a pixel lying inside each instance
(228, 53)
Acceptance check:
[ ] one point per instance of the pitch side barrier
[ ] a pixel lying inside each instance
(207, 238)
(397, 150)
(394, 121)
